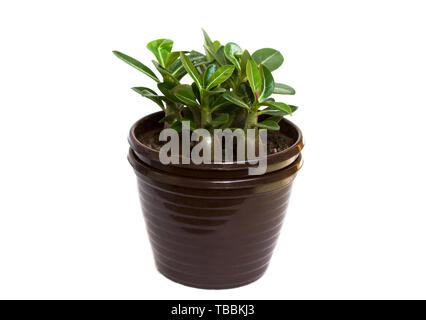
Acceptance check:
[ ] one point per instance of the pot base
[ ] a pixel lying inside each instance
(209, 286)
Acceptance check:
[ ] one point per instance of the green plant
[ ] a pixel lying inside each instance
(231, 88)
(171, 70)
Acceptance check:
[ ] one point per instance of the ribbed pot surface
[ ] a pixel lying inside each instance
(212, 238)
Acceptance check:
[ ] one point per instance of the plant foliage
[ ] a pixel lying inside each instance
(229, 88)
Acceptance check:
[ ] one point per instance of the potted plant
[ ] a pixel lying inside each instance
(214, 225)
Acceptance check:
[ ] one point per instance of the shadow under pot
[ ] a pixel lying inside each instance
(212, 226)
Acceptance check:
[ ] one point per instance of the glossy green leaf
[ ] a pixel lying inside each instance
(268, 124)
(244, 59)
(150, 94)
(185, 94)
(166, 89)
(293, 108)
(136, 64)
(161, 49)
(268, 83)
(277, 119)
(193, 73)
(211, 69)
(281, 88)
(167, 75)
(221, 75)
(232, 97)
(216, 45)
(279, 106)
(244, 92)
(171, 58)
(196, 91)
(233, 52)
(221, 105)
(207, 40)
(269, 57)
(254, 78)
(221, 119)
(219, 102)
(273, 112)
(221, 57)
(209, 46)
(196, 58)
(213, 91)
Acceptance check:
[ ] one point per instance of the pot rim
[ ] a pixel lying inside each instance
(275, 161)
(261, 182)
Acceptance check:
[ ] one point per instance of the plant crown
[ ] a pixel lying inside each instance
(230, 87)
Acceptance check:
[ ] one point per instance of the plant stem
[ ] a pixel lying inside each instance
(171, 109)
(206, 115)
(251, 120)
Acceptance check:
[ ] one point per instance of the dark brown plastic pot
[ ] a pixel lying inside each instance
(213, 226)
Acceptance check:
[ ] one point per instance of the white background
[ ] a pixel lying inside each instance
(70, 221)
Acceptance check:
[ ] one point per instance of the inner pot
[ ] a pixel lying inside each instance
(213, 226)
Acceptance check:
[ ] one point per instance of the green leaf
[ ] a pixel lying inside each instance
(220, 105)
(171, 58)
(161, 49)
(221, 75)
(233, 52)
(293, 108)
(219, 102)
(271, 58)
(196, 91)
(245, 93)
(254, 78)
(207, 39)
(216, 45)
(232, 97)
(185, 94)
(279, 106)
(150, 94)
(213, 91)
(273, 112)
(209, 46)
(244, 59)
(211, 69)
(166, 89)
(277, 119)
(136, 64)
(221, 119)
(177, 68)
(268, 124)
(167, 75)
(268, 83)
(221, 57)
(193, 73)
(281, 88)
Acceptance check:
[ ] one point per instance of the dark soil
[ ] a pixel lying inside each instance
(277, 141)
